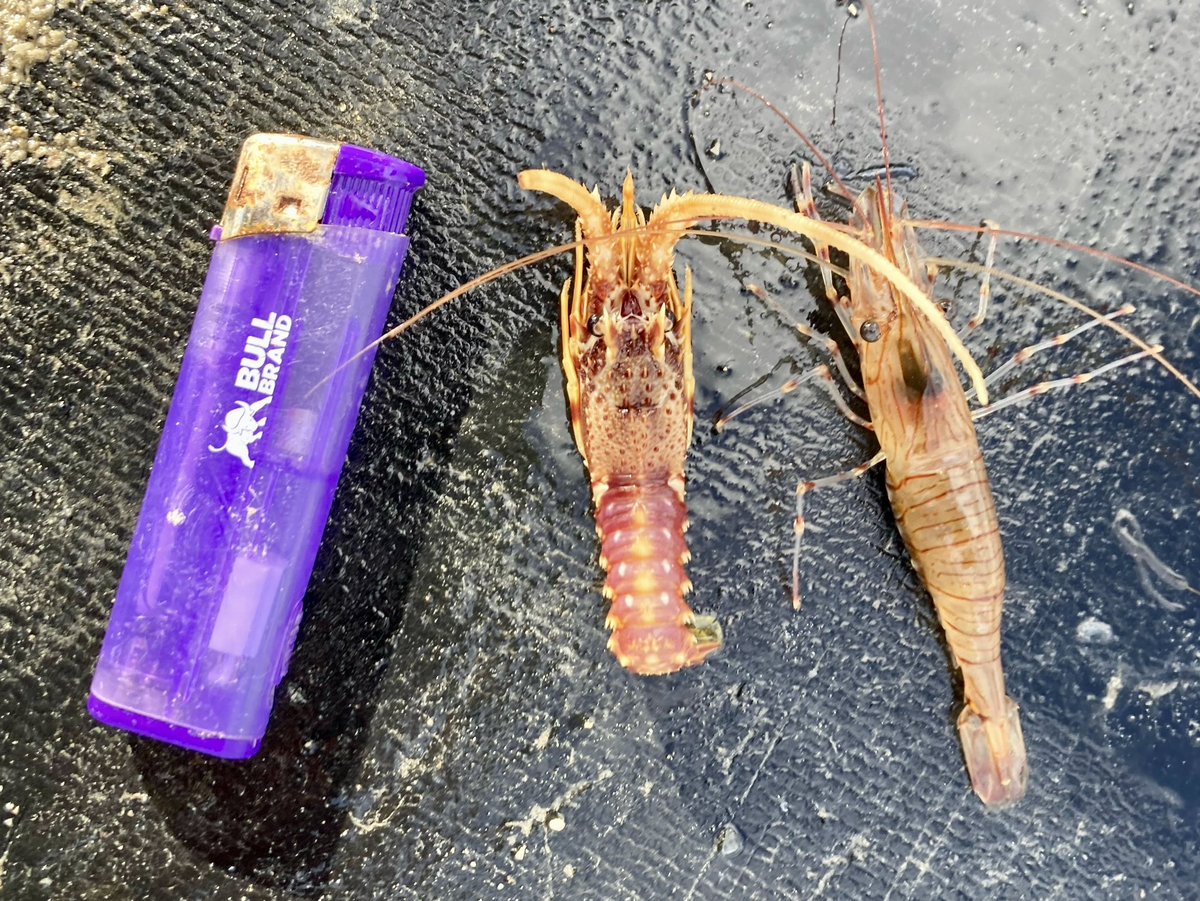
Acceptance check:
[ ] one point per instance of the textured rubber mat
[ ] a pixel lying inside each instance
(452, 726)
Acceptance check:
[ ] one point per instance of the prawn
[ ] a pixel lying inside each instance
(938, 487)
(936, 478)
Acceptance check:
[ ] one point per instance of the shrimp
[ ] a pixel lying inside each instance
(939, 491)
(937, 482)
(627, 358)
(936, 478)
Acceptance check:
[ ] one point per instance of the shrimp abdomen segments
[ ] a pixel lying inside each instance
(947, 518)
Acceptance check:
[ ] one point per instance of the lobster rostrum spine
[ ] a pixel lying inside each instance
(627, 358)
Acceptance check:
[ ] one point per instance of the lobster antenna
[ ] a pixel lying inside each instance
(489, 276)
(719, 206)
(528, 260)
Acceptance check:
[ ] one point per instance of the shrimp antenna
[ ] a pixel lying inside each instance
(851, 13)
(1067, 245)
(1004, 276)
(1031, 286)
(821, 159)
(1060, 243)
(1096, 253)
(883, 134)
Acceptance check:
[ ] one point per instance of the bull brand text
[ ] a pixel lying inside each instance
(263, 353)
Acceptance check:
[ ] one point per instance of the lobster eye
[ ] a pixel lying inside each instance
(594, 325)
(870, 331)
(669, 316)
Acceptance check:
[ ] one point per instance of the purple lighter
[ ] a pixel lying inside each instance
(307, 257)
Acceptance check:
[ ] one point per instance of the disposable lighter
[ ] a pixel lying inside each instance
(306, 259)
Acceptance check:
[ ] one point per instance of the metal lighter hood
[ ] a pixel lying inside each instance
(280, 186)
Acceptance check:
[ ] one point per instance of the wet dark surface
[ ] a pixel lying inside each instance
(453, 726)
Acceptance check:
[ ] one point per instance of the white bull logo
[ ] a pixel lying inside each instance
(242, 429)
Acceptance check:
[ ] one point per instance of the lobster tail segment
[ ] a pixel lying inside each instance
(641, 525)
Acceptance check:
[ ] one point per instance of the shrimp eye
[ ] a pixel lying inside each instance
(870, 331)
(669, 316)
(594, 325)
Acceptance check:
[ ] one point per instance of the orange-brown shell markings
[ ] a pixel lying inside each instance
(627, 358)
(940, 494)
(641, 525)
(635, 410)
